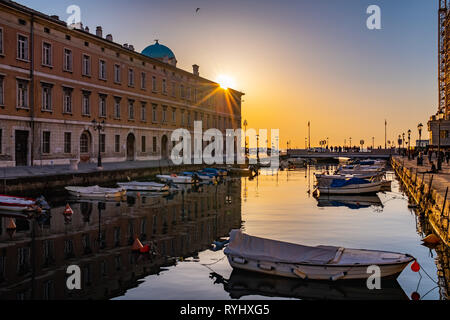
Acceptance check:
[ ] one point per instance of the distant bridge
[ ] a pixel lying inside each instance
(374, 154)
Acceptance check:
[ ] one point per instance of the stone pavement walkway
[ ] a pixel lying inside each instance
(18, 172)
(441, 180)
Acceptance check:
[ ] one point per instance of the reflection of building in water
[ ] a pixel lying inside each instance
(99, 238)
(442, 259)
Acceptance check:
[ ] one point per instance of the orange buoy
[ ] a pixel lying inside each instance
(432, 239)
(137, 245)
(68, 211)
(415, 266)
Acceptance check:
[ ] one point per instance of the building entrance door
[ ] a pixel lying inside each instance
(130, 147)
(21, 148)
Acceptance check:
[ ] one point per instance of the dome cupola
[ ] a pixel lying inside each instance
(160, 52)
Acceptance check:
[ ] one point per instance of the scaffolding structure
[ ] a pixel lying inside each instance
(444, 37)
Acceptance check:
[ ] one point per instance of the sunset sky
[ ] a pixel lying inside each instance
(296, 61)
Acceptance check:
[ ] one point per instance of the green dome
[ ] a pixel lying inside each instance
(158, 51)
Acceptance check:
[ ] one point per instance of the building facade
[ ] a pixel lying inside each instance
(55, 80)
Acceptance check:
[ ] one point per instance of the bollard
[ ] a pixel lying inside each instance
(443, 205)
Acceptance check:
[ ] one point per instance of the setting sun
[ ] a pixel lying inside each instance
(225, 81)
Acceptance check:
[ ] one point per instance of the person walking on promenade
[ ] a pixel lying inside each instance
(430, 155)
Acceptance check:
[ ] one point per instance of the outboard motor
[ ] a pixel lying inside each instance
(42, 204)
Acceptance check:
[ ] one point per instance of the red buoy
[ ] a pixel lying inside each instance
(145, 249)
(415, 296)
(68, 211)
(415, 266)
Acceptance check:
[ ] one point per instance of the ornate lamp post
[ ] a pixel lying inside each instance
(420, 127)
(399, 143)
(99, 126)
(350, 142)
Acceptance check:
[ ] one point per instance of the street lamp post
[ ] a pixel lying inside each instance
(257, 148)
(350, 142)
(420, 127)
(99, 126)
(245, 136)
(439, 159)
(409, 144)
(403, 140)
(399, 143)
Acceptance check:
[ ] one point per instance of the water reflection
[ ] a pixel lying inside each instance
(242, 284)
(353, 202)
(276, 205)
(97, 237)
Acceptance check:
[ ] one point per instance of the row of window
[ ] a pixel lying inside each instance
(86, 69)
(84, 143)
(47, 105)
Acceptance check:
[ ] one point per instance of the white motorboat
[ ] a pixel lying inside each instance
(315, 263)
(349, 186)
(176, 179)
(144, 186)
(374, 176)
(96, 192)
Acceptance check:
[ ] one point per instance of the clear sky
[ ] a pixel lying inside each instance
(297, 61)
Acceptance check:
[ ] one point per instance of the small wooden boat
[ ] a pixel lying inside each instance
(374, 176)
(144, 186)
(96, 192)
(9, 203)
(204, 177)
(22, 204)
(314, 263)
(348, 186)
(240, 171)
(176, 179)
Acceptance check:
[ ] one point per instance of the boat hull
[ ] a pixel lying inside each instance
(316, 272)
(352, 189)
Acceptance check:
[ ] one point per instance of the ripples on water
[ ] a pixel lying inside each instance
(183, 226)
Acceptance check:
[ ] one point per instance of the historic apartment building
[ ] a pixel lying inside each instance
(55, 80)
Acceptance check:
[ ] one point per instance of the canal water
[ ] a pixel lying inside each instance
(182, 227)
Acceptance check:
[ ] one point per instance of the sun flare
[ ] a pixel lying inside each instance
(225, 81)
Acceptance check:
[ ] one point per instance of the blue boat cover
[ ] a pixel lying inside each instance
(339, 183)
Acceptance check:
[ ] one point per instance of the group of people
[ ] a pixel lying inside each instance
(441, 157)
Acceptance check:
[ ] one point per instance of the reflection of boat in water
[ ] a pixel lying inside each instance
(243, 283)
(352, 202)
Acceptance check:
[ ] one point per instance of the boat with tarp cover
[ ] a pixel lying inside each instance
(348, 186)
(315, 263)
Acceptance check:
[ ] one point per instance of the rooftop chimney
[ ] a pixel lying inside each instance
(54, 17)
(109, 37)
(125, 45)
(131, 47)
(99, 32)
(195, 70)
(85, 29)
